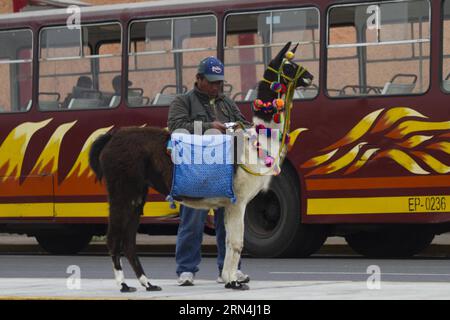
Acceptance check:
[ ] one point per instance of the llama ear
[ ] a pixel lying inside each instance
(295, 48)
(283, 51)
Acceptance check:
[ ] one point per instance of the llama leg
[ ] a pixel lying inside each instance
(130, 252)
(117, 267)
(234, 226)
(115, 242)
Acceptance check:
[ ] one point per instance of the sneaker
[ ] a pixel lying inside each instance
(241, 277)
(186, 279)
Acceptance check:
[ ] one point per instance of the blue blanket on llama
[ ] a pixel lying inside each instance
(203, 166)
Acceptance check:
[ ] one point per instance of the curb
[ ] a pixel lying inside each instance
(434, 250)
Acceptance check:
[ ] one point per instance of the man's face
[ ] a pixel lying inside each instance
(212, 89)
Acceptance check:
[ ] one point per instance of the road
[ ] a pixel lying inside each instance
(322, 277)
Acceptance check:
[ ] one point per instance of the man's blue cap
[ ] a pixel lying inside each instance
(212, 68)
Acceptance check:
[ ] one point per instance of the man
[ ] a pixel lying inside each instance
(83, 82)
(205, 103)
(116, 83)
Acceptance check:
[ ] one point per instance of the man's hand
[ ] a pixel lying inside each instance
(219, 126)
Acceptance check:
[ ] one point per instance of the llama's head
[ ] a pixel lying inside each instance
(283, 67)
(281, 71)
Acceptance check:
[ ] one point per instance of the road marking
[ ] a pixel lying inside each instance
(361, 273)
(18, 297)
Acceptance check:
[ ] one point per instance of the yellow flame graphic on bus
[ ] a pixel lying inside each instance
(82, 163)
(408, 127)
(12, 150)
(361, 161)
(432, 162)
(443, 146)
(403, 159)
(406, 141)
(357, 132)
(50, 155)
(314, 162)
(340, 163)
(14, 147)
(393, 115)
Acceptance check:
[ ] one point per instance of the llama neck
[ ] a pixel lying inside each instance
(265, 94)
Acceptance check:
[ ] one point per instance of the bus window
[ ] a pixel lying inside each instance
(446, 48)
(252, 38)
(378, 48)
(109, 75)
(15, 70)
(164, 55)
(78, 67)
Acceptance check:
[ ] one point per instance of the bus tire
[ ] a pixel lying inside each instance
(273, 225)
(60, 243)
(395, 242)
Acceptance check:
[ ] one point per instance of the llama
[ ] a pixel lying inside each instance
(133, 159)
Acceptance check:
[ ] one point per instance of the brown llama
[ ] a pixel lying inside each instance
(133, 159)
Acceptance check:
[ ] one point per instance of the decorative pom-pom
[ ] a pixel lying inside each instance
(257, 104)
(260, 127)
(278, 104)
(276, 118)
(268, 161)
(276, 86)
(290, 55)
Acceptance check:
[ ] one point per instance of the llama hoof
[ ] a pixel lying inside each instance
(127, 289)
(236, 286)
(153, 288)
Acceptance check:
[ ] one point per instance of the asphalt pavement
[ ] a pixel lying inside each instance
(91, 277)
(335, 272)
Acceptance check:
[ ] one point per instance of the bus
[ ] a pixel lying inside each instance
(371, 162)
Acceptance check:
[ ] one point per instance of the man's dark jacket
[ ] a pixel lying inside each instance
(195, 106)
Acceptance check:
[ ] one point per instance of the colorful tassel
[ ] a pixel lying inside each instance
(171, 201)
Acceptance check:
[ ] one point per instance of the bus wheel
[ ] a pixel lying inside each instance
(64, 243)
(272, 223)
(396, 242)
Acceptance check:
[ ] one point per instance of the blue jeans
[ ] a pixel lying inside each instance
(190, 236)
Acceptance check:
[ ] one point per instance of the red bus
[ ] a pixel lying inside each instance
(371, 162)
